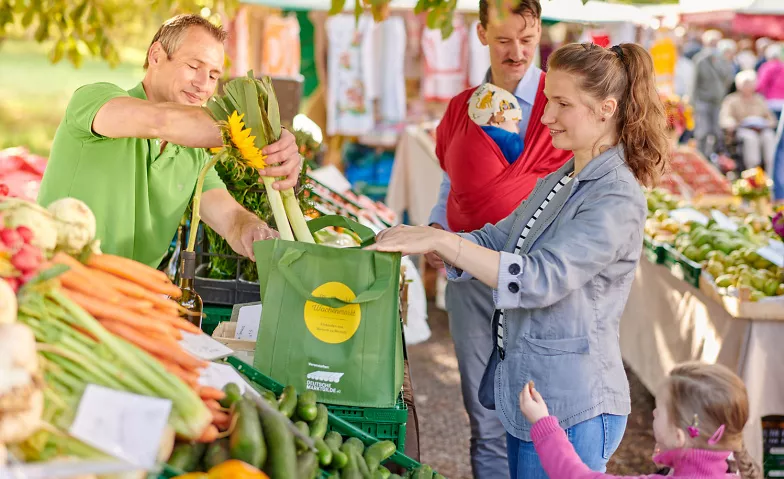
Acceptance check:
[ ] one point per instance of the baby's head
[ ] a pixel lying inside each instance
(702, 406)
(494, 106)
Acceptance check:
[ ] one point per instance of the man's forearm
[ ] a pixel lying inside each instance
(187, 126)
(221, 212)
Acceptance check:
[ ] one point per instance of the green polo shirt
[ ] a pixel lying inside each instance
(137, 193)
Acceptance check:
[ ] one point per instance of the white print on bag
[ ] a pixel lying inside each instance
(321, 381)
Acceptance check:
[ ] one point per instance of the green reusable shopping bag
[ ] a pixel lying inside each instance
(330, 318)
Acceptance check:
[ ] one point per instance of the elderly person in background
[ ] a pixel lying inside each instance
(771, 78)
(714, 73)
(746, 113)
(760, 45)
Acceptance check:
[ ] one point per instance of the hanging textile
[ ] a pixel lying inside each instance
(280, 51)
(478, 57)
(389, 46)
(445, 62)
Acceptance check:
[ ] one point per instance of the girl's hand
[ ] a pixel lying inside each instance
(531, 404)
(408, 240)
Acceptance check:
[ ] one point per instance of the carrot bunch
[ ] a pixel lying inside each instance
(134, 302)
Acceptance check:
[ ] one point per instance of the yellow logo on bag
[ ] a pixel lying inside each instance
(332, 325)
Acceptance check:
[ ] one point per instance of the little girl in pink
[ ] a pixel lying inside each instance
(700, 413)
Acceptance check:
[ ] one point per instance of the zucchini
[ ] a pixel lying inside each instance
(287, 402)
(246, 442)
(333, 440)
(394, 476)
(318, 428)
(282, 453)
(306, 406)
(351, 469)
(216, 453)
(384, 472)
(186, 456)
(378, 453)
(424, 472)
(269, 396)
(233, 394)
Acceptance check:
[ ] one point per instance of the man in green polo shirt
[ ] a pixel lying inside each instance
(134, 156)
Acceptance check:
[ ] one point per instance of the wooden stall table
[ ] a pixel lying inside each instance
(668, 321)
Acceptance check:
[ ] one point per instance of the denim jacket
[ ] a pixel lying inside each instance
(565, 292)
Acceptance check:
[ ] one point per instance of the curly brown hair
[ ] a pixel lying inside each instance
(625, 74)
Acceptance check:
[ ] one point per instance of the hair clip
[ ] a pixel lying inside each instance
(716, 436)
(694, 429)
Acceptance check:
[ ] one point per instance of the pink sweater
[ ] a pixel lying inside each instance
(771, 80)
(560, 460)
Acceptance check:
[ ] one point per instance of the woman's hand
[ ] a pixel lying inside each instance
(408, 240)
(532, 405)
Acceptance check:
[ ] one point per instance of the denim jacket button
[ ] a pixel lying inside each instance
(514, 287)
(514, 269)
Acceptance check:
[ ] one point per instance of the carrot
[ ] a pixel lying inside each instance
(157, 348)
(174, 321)
(105, 311)
(207, 392)
(189, 379)
(158, 332)
(143, 275)
(78, 277)
(220, 419)
(212, 404)
(135, 290)
(210, 434)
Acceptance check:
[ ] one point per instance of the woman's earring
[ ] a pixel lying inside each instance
(604, 118)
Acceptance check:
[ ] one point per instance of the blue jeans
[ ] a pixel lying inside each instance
(595, 440)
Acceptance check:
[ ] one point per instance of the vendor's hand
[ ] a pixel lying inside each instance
(247, 231)
(433, 259)
(283, 160)
(407, 240)
(532, 405)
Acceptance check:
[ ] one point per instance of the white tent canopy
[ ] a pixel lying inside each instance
(751, 7)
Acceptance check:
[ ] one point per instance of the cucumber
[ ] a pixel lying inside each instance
(356, 444)
(186, 456)
(438, 476)
(269, 396)
(394, 476)
(363, 467)
(377, 475)
(333, 440)
(246, 442)
(384, 472)
(351, 469)
(318, 428)
(287, 402)
(306, 406)
(216, 453)
(307, 465)
(424, 472)
(233, 394)
(282, 453)
(378, 453)
(323, 452)
(303, 428)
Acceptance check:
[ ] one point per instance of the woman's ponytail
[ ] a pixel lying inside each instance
(624, 72)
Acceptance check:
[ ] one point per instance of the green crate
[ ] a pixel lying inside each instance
(682, 267)
(336, 423)
(654, 250)
(213, 316)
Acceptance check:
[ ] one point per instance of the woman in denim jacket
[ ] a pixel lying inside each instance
(562, 264)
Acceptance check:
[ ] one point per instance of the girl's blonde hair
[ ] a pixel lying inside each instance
(626, 74)
(715, 396)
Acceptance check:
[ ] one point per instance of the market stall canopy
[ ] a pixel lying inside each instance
(713, 12)
(761, 18)
(571, 11)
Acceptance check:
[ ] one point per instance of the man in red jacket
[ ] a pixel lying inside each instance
(481, 186)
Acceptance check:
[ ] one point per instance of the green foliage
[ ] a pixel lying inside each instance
(83, 28)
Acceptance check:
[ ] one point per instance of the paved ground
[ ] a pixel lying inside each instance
(443, 423)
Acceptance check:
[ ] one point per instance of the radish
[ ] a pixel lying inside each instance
(11, 238)
(27, 259)
(26, 233)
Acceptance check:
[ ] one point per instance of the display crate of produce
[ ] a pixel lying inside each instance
(379, 423)
(682, 267)
(213, 316)
(738, 303)
(654, 250)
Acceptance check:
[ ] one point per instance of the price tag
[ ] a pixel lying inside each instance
(685, 215)
(219, 375)
(723, 221)
(248, 321)
(204, 347)
(124, 425)
(773, 252)
(332, 178)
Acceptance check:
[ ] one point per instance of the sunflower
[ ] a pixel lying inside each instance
(243, 141)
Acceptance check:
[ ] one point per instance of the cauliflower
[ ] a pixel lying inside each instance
(75, 224)
(17, 212)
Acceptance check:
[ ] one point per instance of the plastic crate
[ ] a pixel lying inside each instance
(336, 423)
(213, 316)
(682, 267)
(654, 250)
